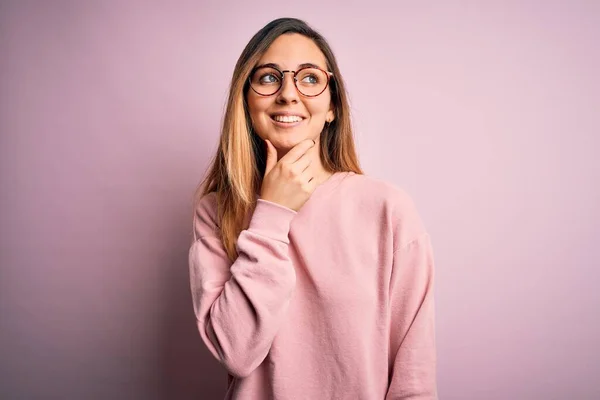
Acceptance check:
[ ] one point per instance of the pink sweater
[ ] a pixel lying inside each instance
(335, 301)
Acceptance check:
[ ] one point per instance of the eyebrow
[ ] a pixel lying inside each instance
(304, 65)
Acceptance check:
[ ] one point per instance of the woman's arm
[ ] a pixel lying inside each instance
(239, 306)
(412, 357)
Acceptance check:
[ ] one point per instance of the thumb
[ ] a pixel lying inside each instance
(271, 157)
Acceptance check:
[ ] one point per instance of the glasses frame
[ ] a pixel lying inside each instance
(282, 73)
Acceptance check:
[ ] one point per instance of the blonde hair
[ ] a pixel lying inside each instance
(238, 166)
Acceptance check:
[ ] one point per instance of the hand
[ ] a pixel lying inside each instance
(289, 182)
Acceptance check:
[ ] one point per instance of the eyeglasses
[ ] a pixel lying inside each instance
(309, 81)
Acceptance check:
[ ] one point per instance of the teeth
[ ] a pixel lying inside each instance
(291, 118)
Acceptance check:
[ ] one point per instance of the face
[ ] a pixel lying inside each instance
(289, 51)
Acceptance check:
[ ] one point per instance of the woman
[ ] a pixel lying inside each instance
(309, 279)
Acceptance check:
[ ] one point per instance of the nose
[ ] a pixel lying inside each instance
(288, 92)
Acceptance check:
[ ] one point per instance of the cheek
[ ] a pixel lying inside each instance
(251, 102)
(319, 106)
(257, 106)
(257, 112)
(254, 109)
(319, 109)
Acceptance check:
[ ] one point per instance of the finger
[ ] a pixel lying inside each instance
(306, 159)
(297, 151)
(300, 166)
(311, 170)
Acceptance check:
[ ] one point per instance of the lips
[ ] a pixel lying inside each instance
(287, 121)
(287, 118)
(287, 114)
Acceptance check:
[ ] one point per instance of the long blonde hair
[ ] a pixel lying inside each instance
(238, 166)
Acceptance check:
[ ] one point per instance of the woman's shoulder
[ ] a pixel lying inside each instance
(377, 196)
(388, 193)
(205, 214)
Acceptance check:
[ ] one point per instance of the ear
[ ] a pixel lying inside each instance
(330, 115)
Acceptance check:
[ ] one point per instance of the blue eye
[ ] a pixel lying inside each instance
(268, 78)
(311, 79)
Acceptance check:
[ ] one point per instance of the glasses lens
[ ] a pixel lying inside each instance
(311, 81)
(266, 80)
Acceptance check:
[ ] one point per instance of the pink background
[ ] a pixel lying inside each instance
(488, 115)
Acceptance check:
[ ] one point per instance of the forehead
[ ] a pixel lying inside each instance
(291, 50)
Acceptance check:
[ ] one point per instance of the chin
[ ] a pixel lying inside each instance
(287, 140)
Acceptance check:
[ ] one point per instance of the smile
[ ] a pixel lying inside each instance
(287, 118)
(287, 121)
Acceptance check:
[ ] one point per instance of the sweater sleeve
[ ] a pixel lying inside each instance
(239, 306)
(412, 357)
